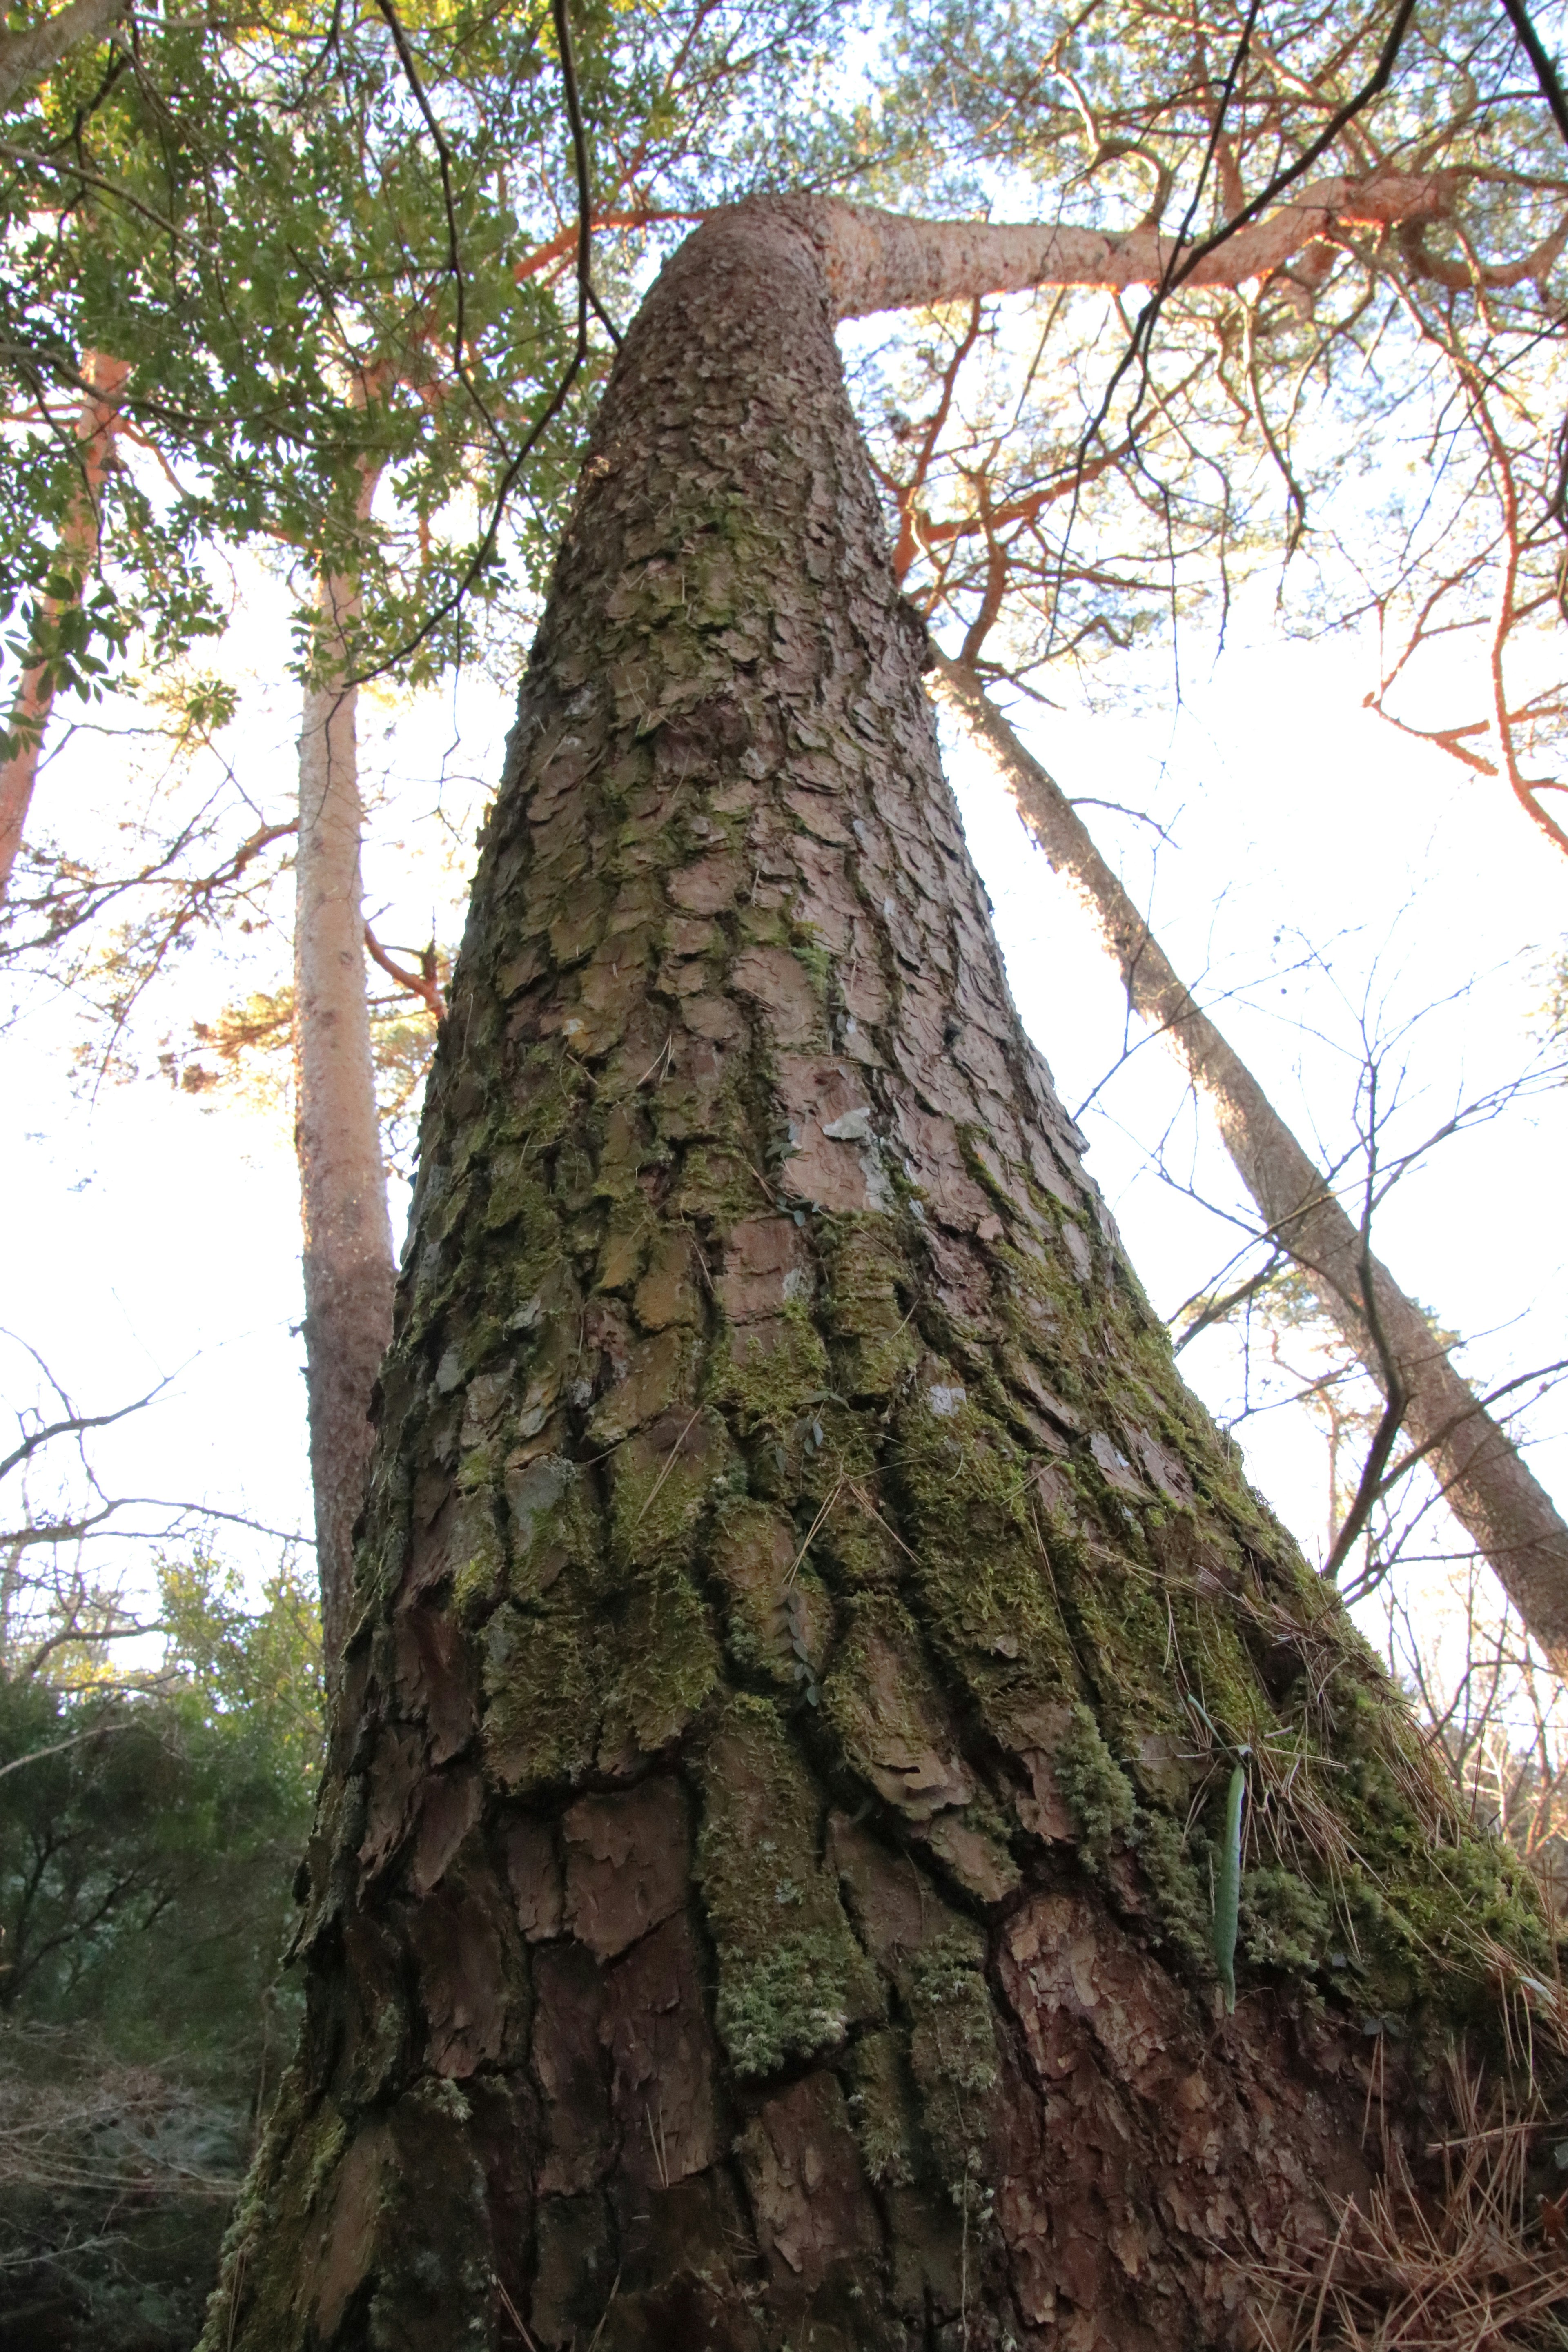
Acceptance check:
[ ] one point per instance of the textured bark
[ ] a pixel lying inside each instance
(78, 546)
(750, 1903)
(349, 1268)
(25, 58)
(1490, 1490)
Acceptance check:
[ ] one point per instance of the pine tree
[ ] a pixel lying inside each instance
(848, 1821)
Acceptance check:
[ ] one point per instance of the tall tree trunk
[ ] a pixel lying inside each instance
(349, 1269)
(805, 1633)
(1489, 1488)
(78, 547)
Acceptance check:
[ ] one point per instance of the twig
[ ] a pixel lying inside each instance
(1175, 276)
(668, 1466)
(57, 1746)
(1395, 1389)
(580, 158)
(515, 2316)
(422, 984)
(592, 2345)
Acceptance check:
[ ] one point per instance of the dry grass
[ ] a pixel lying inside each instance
(1476, 2265)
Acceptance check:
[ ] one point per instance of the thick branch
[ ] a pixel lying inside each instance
(422, 984)
(1489, 1488)
(27, 58)
(880, 261)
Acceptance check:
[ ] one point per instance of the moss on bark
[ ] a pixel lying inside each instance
(775, 1437)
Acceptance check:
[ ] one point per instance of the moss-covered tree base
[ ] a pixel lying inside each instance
(766, 1890)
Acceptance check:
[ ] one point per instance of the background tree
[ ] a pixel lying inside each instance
(64, 603)
(1483, 1477)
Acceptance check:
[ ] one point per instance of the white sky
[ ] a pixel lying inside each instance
(1298, 820)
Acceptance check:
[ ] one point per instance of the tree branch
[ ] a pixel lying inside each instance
(1529, 40)
(27, 58)
(422, 984)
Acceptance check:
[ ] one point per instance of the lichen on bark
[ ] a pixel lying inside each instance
(804, 1627)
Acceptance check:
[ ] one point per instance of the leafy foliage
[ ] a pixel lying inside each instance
(147, 1834)
(336, 245)
(150, 1822)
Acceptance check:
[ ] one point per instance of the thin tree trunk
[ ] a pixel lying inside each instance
(1490, 1490)
(78, 548)
(349, 1268)
(801, 1610)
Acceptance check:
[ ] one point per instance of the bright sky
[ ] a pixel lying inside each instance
(1300, 827)
(153, 1238)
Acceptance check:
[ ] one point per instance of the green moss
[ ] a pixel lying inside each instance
(882, 1700)
(518, 1194)
(478, 1576)
(714, 1183)
(792, 1977)
(1096, 1788)
(688, 1108)
(447, 1200)
(974, 1845)
(763, 926)
(777, 1605)
(481, 1339)
(806, 943)
(548, 1088)
(579, 927)
(1285, 1923)
(327, 2143)
(952, 2047)
(1444, 1925)
(540, 1681)
(771, 1376)
(986, 1592)
(301, 2147)
(478, 1463)
(865, 1274)
(859, 1547)
(1145, 1640)
(664, 1479)
(667, 1292)
(792, 2001)
(1183, 1910)
(879, 2107)
(550, 1521)
(624, 1149)
(624, 1246)
(665, 1662)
